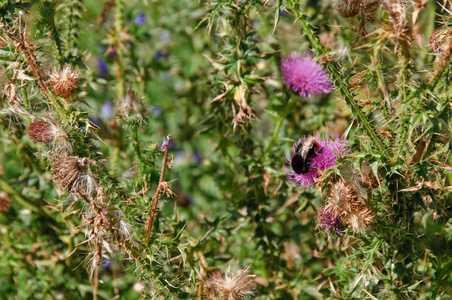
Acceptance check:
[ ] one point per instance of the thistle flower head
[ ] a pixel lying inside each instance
(359, 218)
(328, 220)
(131, 108)
(64, 82)
(305, 76)
(324, 158)
(232, 285)
(345, 202)
(70, 173)
(347, 8)
(40, 132)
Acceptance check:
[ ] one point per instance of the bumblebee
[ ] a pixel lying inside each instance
(304, 153)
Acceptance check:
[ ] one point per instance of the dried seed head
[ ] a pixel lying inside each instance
(342, 197)
(4, 202)
(42, 132)
(367, 178)
(125, 229)
(368, 181)
(232, 285)
(398, 12)
(348, 8)
(131, 107)
(70, 173)
(359, 218)
(245, 112)
(345, 202)
(64, 82)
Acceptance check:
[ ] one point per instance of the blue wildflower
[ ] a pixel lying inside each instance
(140, 19)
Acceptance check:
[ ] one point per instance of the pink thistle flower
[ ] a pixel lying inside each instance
(328, 220)
(322, 154)
(305, 76)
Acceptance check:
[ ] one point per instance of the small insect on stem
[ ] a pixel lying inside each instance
(305, 152)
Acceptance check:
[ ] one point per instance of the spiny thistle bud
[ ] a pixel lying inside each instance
(45, 133)
(4, 202)
(64, 82)
(345, 202)
(232, 285)
(70, 173)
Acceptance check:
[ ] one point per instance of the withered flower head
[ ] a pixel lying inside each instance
(342, 197)
(4, 202)
(43, 132)
(232, 285)
(131, 107)
(359, 218)
(70, 173)
(367, 179)
(347, 8)
(350, 8)
(345, 202)
(64, 82)
(398, 12)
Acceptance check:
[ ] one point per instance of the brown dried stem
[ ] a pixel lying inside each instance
(18, 37)
(21, 43)
(160, 187)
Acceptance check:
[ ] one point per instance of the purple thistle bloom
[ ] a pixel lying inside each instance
(305, 76)
(140, 19)
(325, 158)
(327, 220)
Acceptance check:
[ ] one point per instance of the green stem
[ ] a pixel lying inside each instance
(11, 191)
(136, 145)
(56, 38)
(340, 82)
(279, 123)
(121, 83)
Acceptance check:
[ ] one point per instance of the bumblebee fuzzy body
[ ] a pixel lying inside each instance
(304, 153)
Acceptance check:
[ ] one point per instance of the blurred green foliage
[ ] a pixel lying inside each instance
(207, 73)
